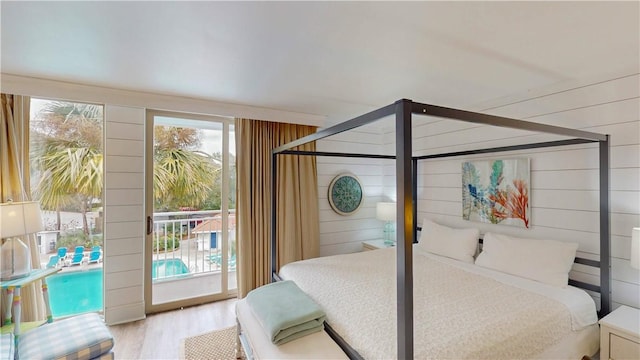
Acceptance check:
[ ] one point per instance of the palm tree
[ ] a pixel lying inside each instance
(67, 150)
(68, 171)
(183, 177)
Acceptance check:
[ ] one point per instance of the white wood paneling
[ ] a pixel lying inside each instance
(125, 163)
(125, 313)
(125, 131)
(125, 213)
(124, 230)
(125, 279)
(120, 180)
(574, 98)
(126, 246)
(123, 262)
(124, 216)
(124, 296)
(125, 196)
(564, 180)
(344, 234)
(123, 147)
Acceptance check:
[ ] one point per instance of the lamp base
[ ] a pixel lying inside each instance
(15, 259)
(13, 276)
(389, 234)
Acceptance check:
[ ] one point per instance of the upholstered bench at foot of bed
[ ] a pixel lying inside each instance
(80, 337)
(258, 345)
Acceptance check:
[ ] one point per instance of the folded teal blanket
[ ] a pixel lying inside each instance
(285, 312)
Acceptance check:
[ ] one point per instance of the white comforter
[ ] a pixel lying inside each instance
(458, 313)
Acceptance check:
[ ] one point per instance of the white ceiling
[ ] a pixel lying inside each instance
(328, 58)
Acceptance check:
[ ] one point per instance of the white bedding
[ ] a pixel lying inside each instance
(460, 310)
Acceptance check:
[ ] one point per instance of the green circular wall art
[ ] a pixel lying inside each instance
(345, 194)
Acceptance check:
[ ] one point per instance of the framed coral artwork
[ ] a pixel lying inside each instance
(496, 191)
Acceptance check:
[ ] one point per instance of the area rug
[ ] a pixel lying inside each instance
(214, 345)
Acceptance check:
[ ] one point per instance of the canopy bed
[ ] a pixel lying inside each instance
(407, 233)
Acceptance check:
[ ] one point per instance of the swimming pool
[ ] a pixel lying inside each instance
(79, 292)
(168, 268)
(75, 292)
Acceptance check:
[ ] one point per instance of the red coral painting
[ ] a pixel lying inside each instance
(496, 191)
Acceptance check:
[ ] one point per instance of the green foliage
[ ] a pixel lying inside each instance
(66, 156)
(183, 178)
(66, 152)
(169, 243)
(173, 137)
(214, 201)
(74, 238)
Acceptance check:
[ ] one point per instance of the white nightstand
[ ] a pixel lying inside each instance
(375, 244)
(620, 334)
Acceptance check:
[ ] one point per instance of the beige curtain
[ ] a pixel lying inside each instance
(297, 192)
(14, 185)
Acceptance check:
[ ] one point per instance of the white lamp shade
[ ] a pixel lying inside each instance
(20, 218)
(386, 211)
(635, 248)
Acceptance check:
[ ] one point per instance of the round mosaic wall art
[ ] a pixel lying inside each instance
(345, 194)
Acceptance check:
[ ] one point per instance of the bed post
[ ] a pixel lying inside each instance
(414, 190)
(605, 238)
(274, 179)
(406, 228)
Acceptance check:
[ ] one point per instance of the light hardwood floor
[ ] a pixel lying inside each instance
(159, 335)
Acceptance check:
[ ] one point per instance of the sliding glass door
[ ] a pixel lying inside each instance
(190, 243)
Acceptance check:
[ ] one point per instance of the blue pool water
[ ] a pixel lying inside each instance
(78, 292)
(168, 267)
(75, 292)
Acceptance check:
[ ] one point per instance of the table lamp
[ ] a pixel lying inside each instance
(17, 219)
(386, 211)
(635, 248)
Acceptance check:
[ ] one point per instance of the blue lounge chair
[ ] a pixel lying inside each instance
(96, 248)
(217, 259)
(95, 257)
(79, 250)
(77, 259)
(62, 252)
(53, 261)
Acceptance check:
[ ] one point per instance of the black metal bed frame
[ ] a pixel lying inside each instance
(406, 188)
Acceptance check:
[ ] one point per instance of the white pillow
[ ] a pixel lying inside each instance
(459, 244)
(546, 261)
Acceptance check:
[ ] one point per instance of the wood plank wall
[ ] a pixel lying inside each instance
(564, 181)
(344, 234)
(124, 214)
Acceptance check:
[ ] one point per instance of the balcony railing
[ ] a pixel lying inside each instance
(190, 242)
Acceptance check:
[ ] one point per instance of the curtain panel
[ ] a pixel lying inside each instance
(297, 193)
(15, 186)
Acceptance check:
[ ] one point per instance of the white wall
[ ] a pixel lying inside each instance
(564, 180)
(344, 234)
(124, 214)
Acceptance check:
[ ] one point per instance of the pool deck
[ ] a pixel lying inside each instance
(194, 259)
(44, 259)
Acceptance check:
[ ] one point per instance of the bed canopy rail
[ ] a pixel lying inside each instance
(406, 193)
